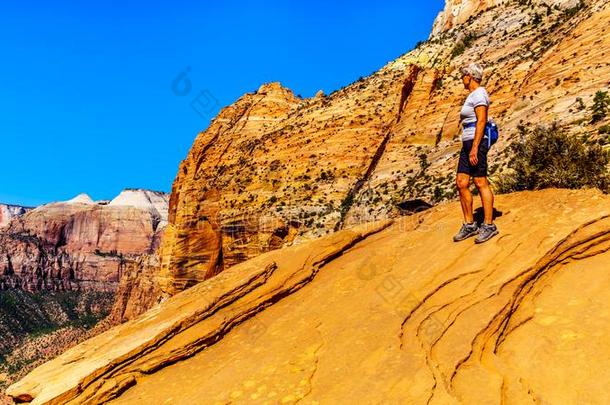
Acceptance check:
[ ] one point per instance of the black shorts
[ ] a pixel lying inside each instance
(464, 166)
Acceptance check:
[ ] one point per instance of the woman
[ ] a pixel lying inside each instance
(473, 158)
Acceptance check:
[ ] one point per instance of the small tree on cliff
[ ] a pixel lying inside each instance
(601, 105)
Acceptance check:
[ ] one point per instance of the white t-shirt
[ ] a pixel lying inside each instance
(475, 99)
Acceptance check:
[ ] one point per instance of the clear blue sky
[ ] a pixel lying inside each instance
(86, 99)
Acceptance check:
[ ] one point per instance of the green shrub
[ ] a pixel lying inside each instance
(548, 157)
(601, 105)
(423, 162)
(463, 44)
(537, 19)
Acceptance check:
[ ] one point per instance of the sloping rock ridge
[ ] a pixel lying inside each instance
(385, 312)
(274, 170)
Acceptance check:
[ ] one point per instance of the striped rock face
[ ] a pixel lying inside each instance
(457, 12)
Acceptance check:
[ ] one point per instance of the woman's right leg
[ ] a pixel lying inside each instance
(462, 182)
(487, 198)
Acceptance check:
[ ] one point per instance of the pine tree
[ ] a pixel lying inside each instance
(601, 105)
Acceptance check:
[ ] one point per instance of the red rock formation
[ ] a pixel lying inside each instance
(63, 246)
(138, 289)
(201, 238)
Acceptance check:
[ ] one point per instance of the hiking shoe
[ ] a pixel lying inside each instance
(466, 232)
(486, 232)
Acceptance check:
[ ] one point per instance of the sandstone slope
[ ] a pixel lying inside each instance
(387, 312)
(274, 169)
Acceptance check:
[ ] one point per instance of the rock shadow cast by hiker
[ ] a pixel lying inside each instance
(479, 215)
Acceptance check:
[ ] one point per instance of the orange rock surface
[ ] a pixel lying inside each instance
(386, 312)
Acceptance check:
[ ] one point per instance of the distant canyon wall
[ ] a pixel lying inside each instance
(8, 212)
(80, 243)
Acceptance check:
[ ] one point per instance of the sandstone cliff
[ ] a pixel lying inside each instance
(385, 312)
(273, 169)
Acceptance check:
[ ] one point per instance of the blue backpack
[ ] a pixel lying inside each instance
(491, 131)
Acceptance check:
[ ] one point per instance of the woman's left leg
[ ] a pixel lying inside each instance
(488, 229)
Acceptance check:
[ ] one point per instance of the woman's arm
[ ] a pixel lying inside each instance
(479, 132)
